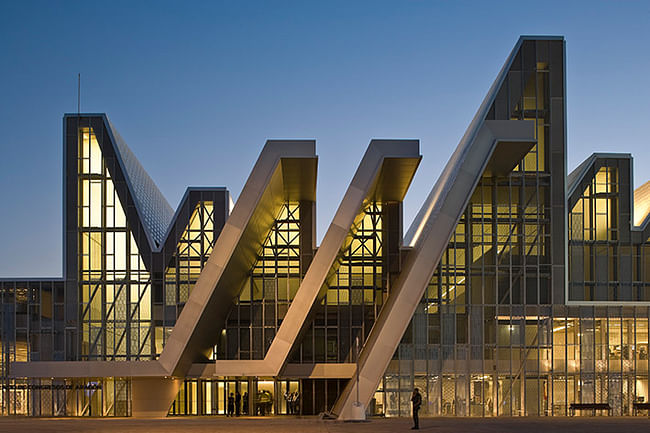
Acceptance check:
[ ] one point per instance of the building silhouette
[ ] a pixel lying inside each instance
(517, 290)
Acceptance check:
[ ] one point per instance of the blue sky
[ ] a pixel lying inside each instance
(196, 88)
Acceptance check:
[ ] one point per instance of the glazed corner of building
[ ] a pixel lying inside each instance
(534, 286)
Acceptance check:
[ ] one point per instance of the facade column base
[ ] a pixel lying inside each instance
(151, 397)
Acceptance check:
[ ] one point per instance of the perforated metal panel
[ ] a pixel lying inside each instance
(154, 210)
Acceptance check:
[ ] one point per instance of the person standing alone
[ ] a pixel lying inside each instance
(416, 399)
(231, 404)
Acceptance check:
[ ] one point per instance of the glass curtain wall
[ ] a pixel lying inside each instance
(190, 255)
(480, 341)
(32, 328)
(609, 260)
(115, 286)
(103, 309)
(356, 291)
(267, 293)
(252, 323)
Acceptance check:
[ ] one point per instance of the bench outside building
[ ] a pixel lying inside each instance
(590, 406)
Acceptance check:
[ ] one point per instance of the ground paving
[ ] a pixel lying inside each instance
(315, 425)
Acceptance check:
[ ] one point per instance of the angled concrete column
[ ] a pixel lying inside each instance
(279, 174)
(442, 210)
(151, 397)
(385, 172)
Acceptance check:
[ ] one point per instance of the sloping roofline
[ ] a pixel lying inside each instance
(448, 173)
(154, 211)
(580, 173)
(429, 234)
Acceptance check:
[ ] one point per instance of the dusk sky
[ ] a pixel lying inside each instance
(196, 88)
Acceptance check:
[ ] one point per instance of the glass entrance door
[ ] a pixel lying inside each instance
(265, 397)
(289, 397)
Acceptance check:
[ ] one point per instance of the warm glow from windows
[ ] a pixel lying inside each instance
(114, 283)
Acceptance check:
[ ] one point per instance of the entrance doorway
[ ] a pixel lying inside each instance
(289, 397)
(252, 397)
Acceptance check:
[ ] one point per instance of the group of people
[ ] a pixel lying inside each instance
(236, 403)
(264, 402)
(293, 402)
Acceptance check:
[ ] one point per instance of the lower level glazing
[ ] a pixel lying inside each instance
(106, 396)
(538, 365)
(535, 361)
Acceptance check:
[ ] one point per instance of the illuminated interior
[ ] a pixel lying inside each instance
(355, 293)
(267, 293)
(114, 283)
(190, 255)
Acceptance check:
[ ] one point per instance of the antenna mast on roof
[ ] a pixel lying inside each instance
(78, 94)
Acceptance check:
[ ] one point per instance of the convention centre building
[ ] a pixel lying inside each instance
(518, 290)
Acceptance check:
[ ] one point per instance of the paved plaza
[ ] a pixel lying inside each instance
(315, 425)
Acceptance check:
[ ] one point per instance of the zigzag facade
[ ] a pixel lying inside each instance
(516, 291)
